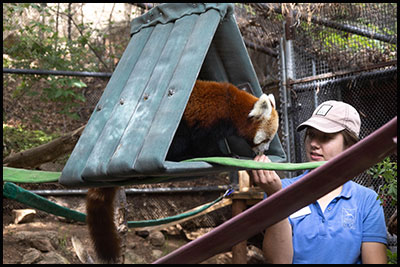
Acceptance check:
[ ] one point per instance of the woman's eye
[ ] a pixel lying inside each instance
(328, 136)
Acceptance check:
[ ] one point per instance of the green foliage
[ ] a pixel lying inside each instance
(19, 139)
(392, 256)
(331, 39)
(247, 7)
(39, 44)
(386, 170)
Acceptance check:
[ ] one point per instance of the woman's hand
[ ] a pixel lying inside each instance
(269, 181)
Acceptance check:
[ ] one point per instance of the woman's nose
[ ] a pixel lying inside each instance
(314, 142)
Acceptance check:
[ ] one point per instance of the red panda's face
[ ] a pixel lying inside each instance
(261, 148)
(267, 119)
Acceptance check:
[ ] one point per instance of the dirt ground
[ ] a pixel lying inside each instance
(139, 248)
(14, 250)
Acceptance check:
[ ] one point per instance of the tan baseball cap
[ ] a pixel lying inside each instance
(334, 116)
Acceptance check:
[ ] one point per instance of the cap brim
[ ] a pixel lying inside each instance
(322, 125)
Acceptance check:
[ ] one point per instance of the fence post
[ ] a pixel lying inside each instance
(239, 251)
(287, 74)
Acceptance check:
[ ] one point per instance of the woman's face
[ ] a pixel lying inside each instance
(322, 146)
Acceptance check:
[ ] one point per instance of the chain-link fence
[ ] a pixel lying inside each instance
(345, 52)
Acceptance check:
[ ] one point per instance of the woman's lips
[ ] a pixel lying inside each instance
(316, 156)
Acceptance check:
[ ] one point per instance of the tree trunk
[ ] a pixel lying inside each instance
(36, 156)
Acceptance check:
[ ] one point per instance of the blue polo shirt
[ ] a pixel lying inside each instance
(335, 235)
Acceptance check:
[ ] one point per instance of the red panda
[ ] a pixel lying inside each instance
(215, 110)
(218, 110)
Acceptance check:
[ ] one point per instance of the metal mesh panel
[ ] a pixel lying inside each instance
(346, 36)
(373, 94)
(345, 52)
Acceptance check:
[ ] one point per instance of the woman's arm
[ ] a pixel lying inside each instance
(373, 252)
(277, 244)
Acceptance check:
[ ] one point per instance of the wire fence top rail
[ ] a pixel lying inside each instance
(58, 72)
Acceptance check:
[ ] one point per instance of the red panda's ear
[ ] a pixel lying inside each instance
(272, 99)
(263, 107)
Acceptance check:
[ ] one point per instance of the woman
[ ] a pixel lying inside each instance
(346, 225)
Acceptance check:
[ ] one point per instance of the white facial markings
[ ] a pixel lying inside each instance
(261, 148)
(262, 112)
(259, 137)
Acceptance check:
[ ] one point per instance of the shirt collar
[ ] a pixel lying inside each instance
(346, 190)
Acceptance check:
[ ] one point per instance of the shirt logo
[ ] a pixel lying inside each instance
(349, 218)
(323, 110)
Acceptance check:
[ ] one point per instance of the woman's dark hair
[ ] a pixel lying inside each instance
(349, 138)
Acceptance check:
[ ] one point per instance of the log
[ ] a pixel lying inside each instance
(34, 157)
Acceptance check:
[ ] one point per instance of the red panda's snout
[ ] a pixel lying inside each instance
(266, 117)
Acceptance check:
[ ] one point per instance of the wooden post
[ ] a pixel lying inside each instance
(239, 251)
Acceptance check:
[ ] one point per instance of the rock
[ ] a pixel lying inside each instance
(42, 244)
(222, 258)
(43, 241)
(157, 238)
(156, 253)
(133, 258)
(23, 215)
(53, 258)
(174, 230)
(194, 234)
(31, 256)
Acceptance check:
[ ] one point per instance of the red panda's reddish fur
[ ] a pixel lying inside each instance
(212, 101)
(209, 103)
